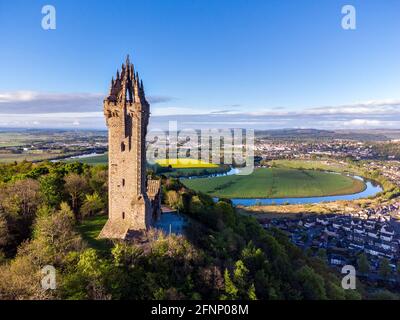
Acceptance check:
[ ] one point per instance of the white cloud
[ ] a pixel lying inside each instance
(23, 102)
(363, 122)
(54, 110)
(17, 96)
(369, 107)
(368, 123)
(54, 120)
(168, 111)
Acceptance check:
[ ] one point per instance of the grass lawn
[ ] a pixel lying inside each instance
(90, 229)
(277, 183)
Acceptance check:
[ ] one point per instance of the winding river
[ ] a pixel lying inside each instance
(371, 190)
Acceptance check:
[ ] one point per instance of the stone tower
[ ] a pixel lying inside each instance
(134, 200)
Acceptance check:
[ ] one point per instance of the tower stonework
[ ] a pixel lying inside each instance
(134, 200)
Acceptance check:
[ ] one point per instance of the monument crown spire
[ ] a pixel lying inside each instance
(127, 81)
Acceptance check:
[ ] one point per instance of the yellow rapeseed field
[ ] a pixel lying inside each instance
(185, 163)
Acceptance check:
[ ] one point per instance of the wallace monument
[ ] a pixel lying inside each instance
(134, 199)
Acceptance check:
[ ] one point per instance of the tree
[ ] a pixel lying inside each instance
(92, 205)
(19, 200)
(240, 275)
(53, 240)
(384, 294)
(241, 278)
(20, 197)
(75, 185)
(231, 292)
(89, 279)
(321, 254)
(20, 280)
(384, 268)
(254, 259)
(335, 291)
(210, 281)
(126, 255)
(173, 184)
(252, 292)
(308, 251)
(363, 264)
(98, 180)
(27, 194)
(54, 236)
(313, 285)
(66, 210)
(51, 188)
(196, 206)
(226, 212)
(75, 167)
(173, 199)
(4, 233)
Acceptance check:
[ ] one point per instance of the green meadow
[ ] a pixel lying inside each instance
(277, 183)
(90, 229)
(94, 160)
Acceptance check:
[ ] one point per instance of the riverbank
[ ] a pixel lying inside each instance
(292, 210)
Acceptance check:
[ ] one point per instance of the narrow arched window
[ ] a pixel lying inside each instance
(123, 215)
(123, 182)
(122, 146)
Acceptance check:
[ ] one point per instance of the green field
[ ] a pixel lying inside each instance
(15, 139)
(34, 157)
(94, 160)
(310, 165)
(277, 183)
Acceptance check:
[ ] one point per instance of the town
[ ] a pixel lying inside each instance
(340, 239)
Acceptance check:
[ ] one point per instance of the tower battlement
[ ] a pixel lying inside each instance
(131, 206)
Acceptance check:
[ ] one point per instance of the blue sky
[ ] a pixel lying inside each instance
(262, 64)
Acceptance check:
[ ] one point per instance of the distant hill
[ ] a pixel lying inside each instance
(316, 134)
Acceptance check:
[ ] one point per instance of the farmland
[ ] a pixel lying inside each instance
(185, 163)
(101, 159)
(278, 183)
(41, 145)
